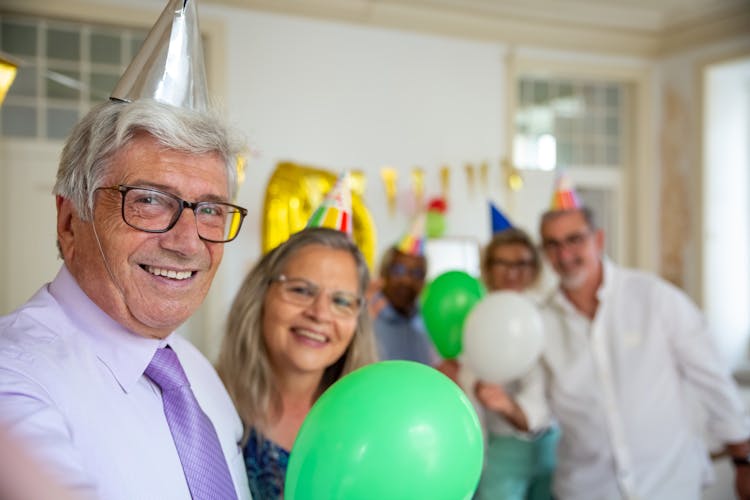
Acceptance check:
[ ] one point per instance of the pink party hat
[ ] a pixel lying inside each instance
(335, 211)
(564, 196)
(412, 243)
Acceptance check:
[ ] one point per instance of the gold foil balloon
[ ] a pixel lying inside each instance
(295, 191)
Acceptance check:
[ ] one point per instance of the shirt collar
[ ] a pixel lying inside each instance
(608, 274)
(123, 352)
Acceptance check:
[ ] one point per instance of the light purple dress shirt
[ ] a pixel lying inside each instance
(72, 386)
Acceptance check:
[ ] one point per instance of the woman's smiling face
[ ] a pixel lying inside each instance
(309, 338)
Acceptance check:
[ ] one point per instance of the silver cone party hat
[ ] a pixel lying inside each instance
(169, 66)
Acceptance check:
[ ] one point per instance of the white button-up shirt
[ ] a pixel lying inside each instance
(618, 386)
(72, 387)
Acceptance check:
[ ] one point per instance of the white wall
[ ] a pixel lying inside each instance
(682, 74)
(337, 96)
(726, 187)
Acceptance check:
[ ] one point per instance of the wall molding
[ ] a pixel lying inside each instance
(626, 32)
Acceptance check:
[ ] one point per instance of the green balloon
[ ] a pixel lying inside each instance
(394, 429)
(445, 305)
(434, 224)
(423, 294)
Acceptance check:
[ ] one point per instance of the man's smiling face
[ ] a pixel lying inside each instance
(151, 282)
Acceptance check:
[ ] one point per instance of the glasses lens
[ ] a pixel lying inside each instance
(218, 221)
(234, 222)
(520, 265)
(573, 241)
(345, 304)
(149, 210)
(398, 270)
(303, 293)
(299, 292)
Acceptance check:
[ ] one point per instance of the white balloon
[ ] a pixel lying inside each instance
(503, 337)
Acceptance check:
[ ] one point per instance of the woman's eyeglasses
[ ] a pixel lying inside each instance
(302, 292)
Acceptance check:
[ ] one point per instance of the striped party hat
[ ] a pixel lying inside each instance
(564, 196)
(335, 211)
(412, 243)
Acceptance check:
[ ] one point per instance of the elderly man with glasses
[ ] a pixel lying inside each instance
(93, 377)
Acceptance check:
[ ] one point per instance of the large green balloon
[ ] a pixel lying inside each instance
(445, 304)
(390, 430)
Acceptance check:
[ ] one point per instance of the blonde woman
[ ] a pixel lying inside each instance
(518, 464)
(297, 324)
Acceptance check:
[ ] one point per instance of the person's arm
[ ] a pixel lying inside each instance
(703, 369)
(494, 398)
(21, 477)
(740, 456)
(449, 368)
(28, 414)
(527, 410)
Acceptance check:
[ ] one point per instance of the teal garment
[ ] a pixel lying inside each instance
(519, 469)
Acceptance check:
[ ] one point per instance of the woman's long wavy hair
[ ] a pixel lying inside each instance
(243, 363)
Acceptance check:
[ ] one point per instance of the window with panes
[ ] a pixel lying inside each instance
(65, 68)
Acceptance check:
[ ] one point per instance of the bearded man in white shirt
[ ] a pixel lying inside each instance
(622, 345)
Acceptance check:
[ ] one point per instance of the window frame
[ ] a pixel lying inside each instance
(635, 186)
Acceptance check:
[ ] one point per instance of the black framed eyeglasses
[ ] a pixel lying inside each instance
(573, 241)
(154, 211)
(515, 265)
(302, 292)
(399, 270)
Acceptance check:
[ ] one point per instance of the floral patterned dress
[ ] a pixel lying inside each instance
(266, 464)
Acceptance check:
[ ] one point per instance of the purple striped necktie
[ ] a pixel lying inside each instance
(194, 435)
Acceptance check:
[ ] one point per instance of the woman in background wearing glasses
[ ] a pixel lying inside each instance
(297, 324)
(518, 464)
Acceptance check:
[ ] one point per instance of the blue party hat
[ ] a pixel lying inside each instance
(499, 221)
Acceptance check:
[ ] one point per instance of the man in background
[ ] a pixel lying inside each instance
(399, 328)
(622, 345)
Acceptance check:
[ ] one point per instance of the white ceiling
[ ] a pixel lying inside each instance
(648, 15)
(644, 27)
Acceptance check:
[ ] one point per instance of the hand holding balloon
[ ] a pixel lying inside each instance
(493, 397)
